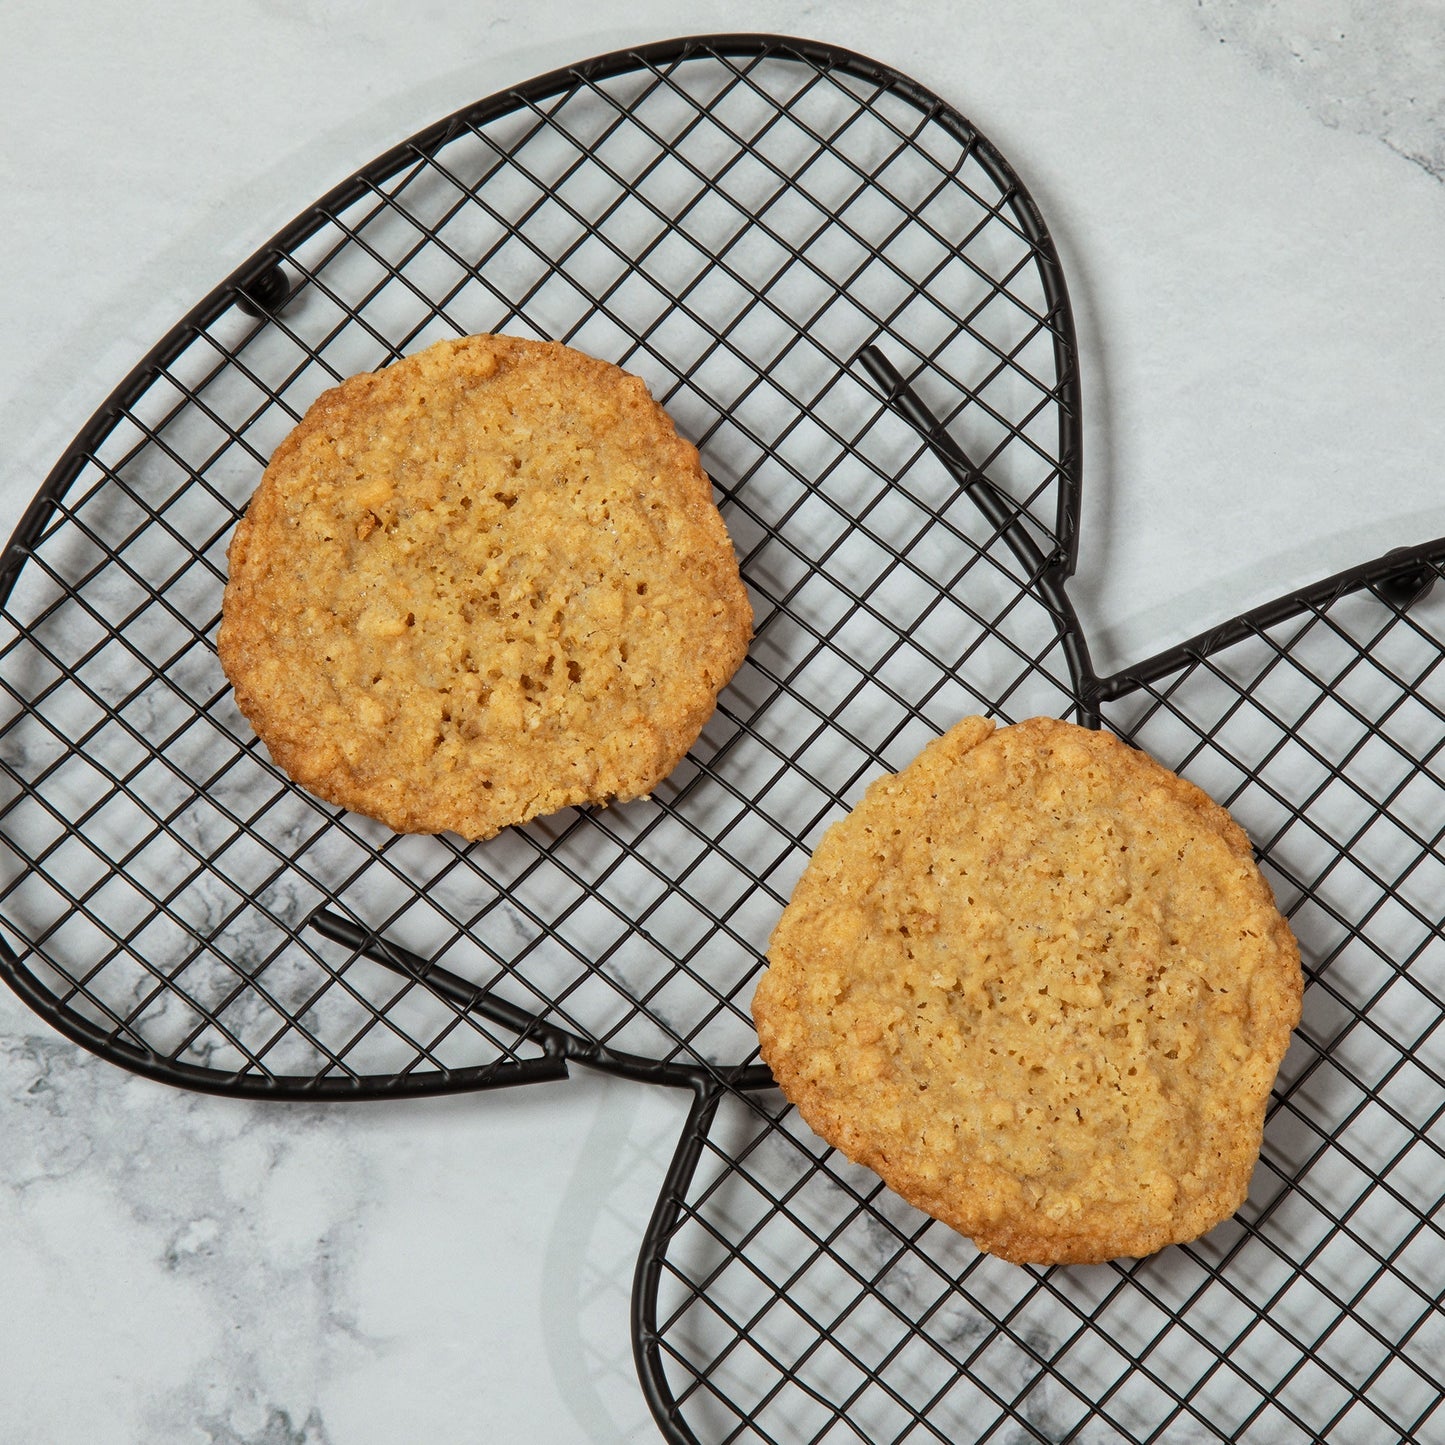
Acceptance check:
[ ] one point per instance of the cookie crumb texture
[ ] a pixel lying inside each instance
(482, 584)
(1037, 982)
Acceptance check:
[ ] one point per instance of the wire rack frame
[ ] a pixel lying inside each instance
(784, 1294)
(766, 229)
(736, 219)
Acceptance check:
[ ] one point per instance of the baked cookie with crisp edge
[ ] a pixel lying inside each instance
(1037, 982)
(482, 584)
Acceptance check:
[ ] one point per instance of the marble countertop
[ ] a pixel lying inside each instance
(1250, 206)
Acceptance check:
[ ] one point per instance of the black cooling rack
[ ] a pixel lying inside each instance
(774, 234)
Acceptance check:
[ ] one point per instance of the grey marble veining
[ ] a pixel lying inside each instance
(1371, 69)
(197, 1225)
(183, 1268)
(1248, 202)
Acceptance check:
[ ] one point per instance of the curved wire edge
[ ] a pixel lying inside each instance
(1047, 574)
(1398, 577)
(647, 1277)
(236, 291)
(283, 1088)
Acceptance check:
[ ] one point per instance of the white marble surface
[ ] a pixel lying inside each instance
(1250, 204)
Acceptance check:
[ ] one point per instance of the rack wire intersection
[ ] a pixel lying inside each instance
(844, 294)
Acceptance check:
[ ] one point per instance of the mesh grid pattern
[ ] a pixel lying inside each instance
(799, 1300)
(734, 221)
(734, 228)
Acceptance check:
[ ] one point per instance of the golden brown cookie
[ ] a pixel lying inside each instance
(1037, 982)
(484, 583)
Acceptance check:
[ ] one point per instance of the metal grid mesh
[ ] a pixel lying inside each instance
(733, 228)
(734, 221)
(798, 1300)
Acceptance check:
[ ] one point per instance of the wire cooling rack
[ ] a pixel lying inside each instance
(843, 293)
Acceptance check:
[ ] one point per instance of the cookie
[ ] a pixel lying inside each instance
(485, 583)
(1037, 982)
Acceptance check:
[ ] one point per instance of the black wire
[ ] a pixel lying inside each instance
(761, 226)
